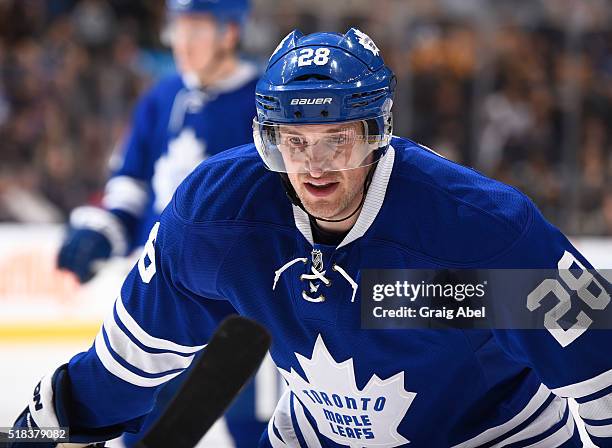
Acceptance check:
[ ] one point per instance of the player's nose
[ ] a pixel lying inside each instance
(316, 168)
(317, 160)
(315, 172)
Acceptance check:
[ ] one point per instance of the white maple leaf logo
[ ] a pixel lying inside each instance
(367, 42)
(185, 152)
(345, 414)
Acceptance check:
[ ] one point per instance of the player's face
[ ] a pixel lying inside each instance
(196, 41)
(326, 194)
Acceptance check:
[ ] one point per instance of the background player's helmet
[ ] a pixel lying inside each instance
(222, 10)
(324, 78)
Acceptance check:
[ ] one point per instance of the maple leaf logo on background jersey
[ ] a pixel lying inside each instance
(185, 152)
(343, 413)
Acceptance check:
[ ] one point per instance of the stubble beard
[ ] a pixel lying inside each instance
(334, 209)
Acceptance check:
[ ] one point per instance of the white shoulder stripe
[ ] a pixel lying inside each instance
(148, 340)
(134, 355)
(559, 437)
(599, 409)
(599, 431)
(536, 401)
(549, 417)
(310, 435)
(586, 387)
(121, 372)
(126, 193)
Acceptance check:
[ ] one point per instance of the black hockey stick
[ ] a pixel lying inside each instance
(232, 356)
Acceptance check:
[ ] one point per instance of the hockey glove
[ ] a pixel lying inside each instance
(49, 409)
(94, 235)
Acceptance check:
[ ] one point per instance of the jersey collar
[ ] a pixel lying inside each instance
(371, 206)
(244, 73)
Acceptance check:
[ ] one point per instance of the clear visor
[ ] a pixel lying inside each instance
(307, 148)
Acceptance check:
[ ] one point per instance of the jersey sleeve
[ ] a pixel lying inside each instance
(572, 363)
(127, 192)
(156, 327)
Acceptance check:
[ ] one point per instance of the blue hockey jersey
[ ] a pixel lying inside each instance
(175, 126)
(230, 235)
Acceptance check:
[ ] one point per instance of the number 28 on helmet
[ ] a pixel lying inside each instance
(324, 103)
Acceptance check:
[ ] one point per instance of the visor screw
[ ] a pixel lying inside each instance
(324, 113)
(297, 114)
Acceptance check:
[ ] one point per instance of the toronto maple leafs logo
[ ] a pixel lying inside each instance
(185, 152)
(367, 42)
(345, 414)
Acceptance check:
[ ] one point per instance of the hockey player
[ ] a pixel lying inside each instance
(359, 199)
(182, 120)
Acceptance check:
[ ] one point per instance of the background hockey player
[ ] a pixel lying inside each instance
(207, 108)
(183, 119)
(359, 199)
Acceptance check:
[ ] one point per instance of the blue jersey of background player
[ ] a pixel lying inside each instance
(360, 199)
(185, 118)
(182, 120)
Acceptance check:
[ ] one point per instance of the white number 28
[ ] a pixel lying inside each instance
(320, 56)
(580, 285)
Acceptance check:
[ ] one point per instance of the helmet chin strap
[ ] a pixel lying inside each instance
(293, 197)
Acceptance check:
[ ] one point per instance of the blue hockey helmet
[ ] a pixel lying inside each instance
(319, 79)
(222, 10)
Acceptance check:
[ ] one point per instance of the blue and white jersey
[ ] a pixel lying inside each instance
(231, 238)
(175, 126)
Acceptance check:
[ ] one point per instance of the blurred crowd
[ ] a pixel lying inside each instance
(520, 90)
(529, 104)
(69, 74)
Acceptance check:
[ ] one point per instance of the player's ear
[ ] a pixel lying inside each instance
(231, 36)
